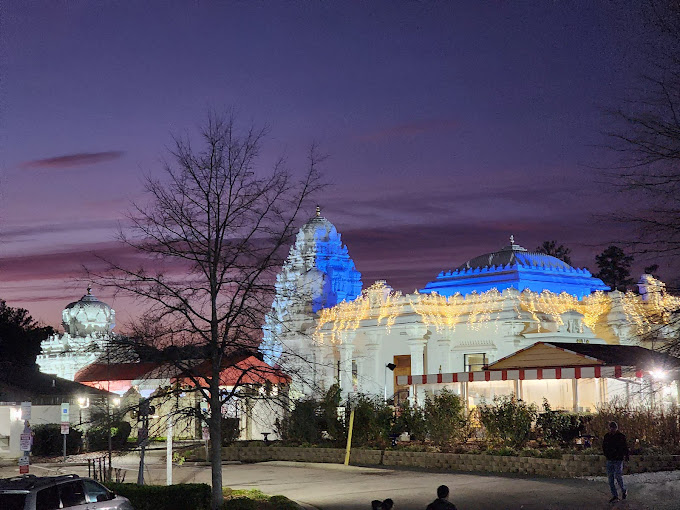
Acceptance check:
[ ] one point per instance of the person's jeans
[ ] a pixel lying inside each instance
(615, 470)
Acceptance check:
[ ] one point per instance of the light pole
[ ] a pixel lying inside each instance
(391, 366)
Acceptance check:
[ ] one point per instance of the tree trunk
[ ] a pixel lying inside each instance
(215, 422)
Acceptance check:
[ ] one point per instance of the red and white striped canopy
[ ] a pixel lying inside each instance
(520, 374)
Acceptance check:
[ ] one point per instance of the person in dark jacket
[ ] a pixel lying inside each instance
(615, 448)
(442, 502)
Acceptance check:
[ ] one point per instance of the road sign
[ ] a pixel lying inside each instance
(25, 442)
(64, 428)
(23, 470)
(23, 461)
(26, 411)
(64, 412)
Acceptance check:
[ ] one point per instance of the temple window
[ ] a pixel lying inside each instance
(475, 362)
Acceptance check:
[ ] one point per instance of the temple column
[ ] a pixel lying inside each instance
(361, 380)
(375, 367)
(575, 394)
(417, 347)
(346, 349)
(444, 359)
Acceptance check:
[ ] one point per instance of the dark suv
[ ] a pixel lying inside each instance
(30, 492)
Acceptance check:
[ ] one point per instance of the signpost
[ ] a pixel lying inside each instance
(23, 465)
(25, 442)
(26, 411)
(65, 423)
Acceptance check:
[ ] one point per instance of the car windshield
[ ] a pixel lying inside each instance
(12, 501)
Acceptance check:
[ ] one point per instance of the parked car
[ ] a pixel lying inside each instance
(30, 492)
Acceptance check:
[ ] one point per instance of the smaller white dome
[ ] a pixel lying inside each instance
(88, 316)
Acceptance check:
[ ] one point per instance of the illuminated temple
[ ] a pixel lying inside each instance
(510, 308)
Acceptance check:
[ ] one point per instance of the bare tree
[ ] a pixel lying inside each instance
(215, 228)
(646, 136)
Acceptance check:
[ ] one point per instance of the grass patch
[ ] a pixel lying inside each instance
(255, 499)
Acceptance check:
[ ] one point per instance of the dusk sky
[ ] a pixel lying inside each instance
(448, 125)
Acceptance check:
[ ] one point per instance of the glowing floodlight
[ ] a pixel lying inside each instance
(658, 374)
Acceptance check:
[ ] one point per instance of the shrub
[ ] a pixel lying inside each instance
(48, 441)
(240, 504)
(644, 426)
(372, 421)
(508, 420)
(302, 423)
(329, 420)
(230, 430)
(98, 438)
(410, 419)
(444, 417)
(559, 427)
(283, 503)
(184, 496)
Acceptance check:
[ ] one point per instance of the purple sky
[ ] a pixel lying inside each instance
(449, 127)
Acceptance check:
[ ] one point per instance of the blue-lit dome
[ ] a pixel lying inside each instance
(515, 267)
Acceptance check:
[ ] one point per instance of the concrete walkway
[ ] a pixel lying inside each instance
(336, 487)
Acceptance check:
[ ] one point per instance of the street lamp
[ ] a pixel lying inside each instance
(391, 366)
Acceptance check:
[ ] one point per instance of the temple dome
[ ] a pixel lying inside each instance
(515, 267)
(88, 315)
(514, 254)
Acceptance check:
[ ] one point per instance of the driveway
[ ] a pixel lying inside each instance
(336, 487)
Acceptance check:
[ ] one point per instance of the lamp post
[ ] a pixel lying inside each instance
(391, 366)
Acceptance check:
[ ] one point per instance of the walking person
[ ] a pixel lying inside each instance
(615, 448)
(442, 502)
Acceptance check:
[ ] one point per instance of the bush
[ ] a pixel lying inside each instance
(508, 420)
(444, 417)
(644, 426)
(372, 421)
(184, 496)
(329, 421)
(302, 423)
(240, 504)
(48, 441)
(410, 419)
(98, 438)
(283, 503)
(559, 427)
(230, 430)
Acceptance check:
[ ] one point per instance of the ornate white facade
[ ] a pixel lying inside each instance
(88, 325)
(486, 309)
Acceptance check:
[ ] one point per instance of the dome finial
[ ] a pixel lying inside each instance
(512, 239)
(318, 211)
(89, 290)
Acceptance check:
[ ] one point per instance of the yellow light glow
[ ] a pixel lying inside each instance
(379, 302)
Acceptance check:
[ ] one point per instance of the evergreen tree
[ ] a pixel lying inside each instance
(20, 336)
(614, 267)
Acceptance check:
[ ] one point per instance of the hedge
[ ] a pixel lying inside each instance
(184, 496)
(48, 441)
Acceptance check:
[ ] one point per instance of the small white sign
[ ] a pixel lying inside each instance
(64, 412)
(23, 461)
(65, 428)
(206, 434)
(25, 442)
(26, 411)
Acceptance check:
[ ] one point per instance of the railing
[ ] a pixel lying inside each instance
(99, 469)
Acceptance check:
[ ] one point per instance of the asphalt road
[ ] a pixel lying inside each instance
(334, 487)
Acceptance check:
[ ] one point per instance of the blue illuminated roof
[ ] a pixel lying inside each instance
(515, 267)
